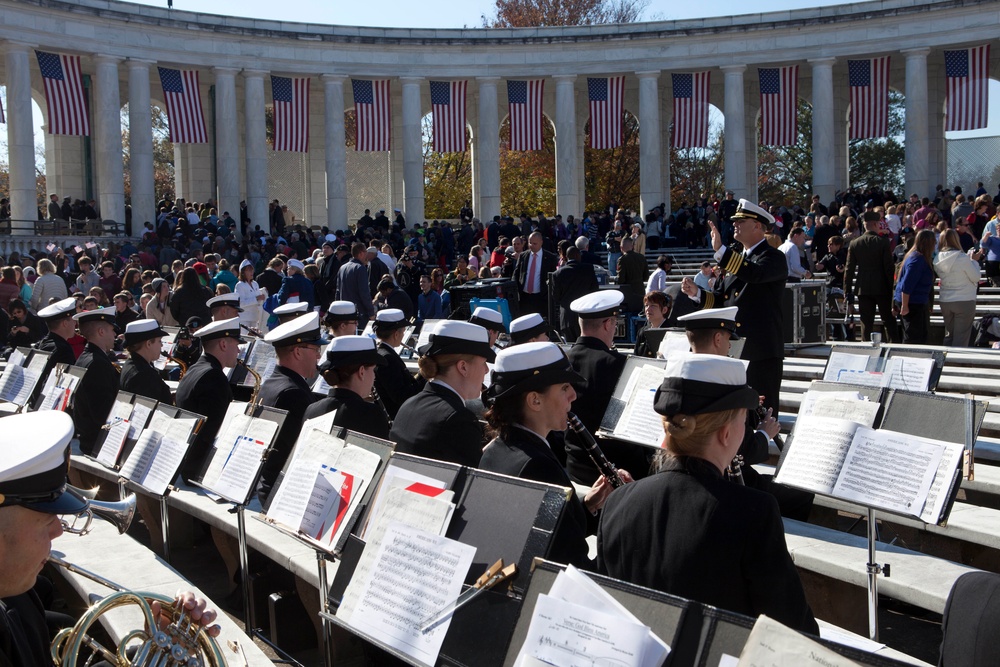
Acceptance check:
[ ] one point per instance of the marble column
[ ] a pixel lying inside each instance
(107, 121)
(823, 166)
(227, 136)
(336, 151)
(650, 179)
(735, 140)
(255, 149)
(487, 149)
(937, 158)
(140, 139)
(20, 139)
(413, 155)
(916, 138)
(567, 195)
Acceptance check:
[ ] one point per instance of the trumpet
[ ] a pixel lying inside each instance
(606, 467)
(119, 513)
(182, 643)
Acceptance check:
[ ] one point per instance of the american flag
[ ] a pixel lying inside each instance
(691, 109)
(869, 81)
(779, 101)
(606, 109)
(64, 94)
(525, 106)
(448, 105)
(291, 113)
(373, 113)
(968, 74)
(183, 96)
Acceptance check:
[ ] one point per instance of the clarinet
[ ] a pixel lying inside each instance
(378, 401)
(734, 472)
(606, 467)
(761, 416)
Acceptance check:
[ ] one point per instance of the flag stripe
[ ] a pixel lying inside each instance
(869, 83)
(448, 107)
(967, 72)
(779, 99)
(690, 92)
(291, 113)
(524, 100)
(372, 109)
(606, 97)
(64, 94)
(182, 93)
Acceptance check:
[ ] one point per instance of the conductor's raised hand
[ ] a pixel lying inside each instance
(689, 288)
(716, 236)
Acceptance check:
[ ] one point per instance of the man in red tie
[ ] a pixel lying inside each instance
(532, 273)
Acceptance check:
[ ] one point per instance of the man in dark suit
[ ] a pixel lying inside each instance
(297, 345)
(493, 232)
(869, 259)
(571, 281)
(205, 389)
(754, 280)
(532, 274)
(593, 358)
(99, 386)
(632, 274)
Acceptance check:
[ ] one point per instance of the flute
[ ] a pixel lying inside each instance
(606, 467)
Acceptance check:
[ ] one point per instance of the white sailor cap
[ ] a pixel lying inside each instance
(296, 308)
(526, 327)
(140, 330)
(222, 329)
(372, 249)
(62, 308)
(712, 318)
(231, 299)
(244, 264)
(700, 383)
(296, 264)
(488, 318)
(96, 315)
(351, 351)
(598, 305)
(303, 330)
(530, 367)
(33, 474)
(341, 311)
(389, 319)
(457, 337)
(750, 211)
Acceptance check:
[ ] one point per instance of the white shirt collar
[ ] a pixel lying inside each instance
(536, 433)
(747, 251)
(448, 386)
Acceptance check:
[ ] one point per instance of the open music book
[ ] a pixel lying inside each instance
(882, 469)
(237, 454)
(154, 461)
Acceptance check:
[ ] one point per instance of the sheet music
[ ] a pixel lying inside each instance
(910, 373)
(262, 358)
(166, 462)
(323, 423)
(565, 634)
(816, 452)
(321, 386)
(673, 342)
(328, 503)
(311, 451)
(233, 428)
(137, 464)
(17, 383)
(937, 495)
(426, 513)
(137, 422)
(639, 422)
(16, 358)
(396, 478)
(121, 409)
(38, 362)
(240, 468)
(574, 586)
(848, 405)
(416, 574)
(113, 442)
(844, 361)
(863, 378)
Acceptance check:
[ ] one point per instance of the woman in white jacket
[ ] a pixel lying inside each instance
(250, 296)
(959, 274)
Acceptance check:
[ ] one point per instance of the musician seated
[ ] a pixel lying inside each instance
(289, 311)
(490, 320)
(33, 495)
(435, 423)
(342, 318)
(530, 395)
(225, 306)
(688, 531)
(530, 328)
(656, 306)
(143, 341)
(394, 382)
(349, 369)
